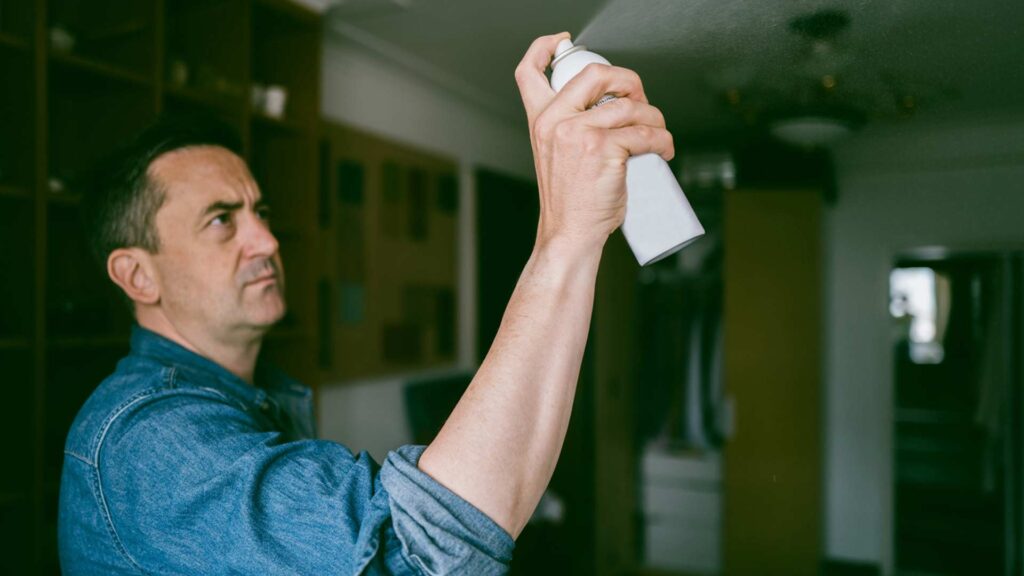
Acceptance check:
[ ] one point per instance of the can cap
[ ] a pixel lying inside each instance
(563, 45)
(564, 48)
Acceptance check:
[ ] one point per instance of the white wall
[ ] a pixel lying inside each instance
(953, 184)
(395, 96)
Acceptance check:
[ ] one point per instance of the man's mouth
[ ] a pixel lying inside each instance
(265, 279)
(263, 273)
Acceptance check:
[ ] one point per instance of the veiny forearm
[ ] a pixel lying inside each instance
(500, 445)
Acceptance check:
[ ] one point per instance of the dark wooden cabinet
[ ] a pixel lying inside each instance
(80, 78)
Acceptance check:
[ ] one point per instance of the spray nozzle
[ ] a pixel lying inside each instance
(564, 48)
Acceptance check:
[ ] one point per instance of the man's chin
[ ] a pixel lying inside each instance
(269, 316)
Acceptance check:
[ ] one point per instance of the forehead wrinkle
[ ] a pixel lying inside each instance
(217, 173)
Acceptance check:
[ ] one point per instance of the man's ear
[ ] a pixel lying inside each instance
(132, 270)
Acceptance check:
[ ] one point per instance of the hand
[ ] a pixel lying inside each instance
(580, 152)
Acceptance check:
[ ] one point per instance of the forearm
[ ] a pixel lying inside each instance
(500, 445)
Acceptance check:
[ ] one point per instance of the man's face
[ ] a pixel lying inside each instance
(218, 265)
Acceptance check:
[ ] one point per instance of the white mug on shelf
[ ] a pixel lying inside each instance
(274, 100)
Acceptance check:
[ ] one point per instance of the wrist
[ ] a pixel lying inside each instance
(571, 245)
(568, 258)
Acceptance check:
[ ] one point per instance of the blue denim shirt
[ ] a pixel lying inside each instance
(176, 466)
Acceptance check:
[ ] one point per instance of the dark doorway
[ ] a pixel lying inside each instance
(957, 413)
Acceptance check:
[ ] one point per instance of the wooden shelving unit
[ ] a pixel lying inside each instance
(80, 78)
(101, 69)
(11, 41)
(15, 192)
(15, 344)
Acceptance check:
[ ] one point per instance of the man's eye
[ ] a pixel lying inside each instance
(223, 219)
(263, 213)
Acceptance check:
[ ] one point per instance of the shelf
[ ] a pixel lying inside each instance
(12, 41)
(207, 98)
(282, 35)
(100, 69)
(15, 343)
(64, 199)
(280, 124)
(9, 191)
(117, 30)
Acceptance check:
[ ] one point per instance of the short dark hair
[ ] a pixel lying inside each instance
(120, 199)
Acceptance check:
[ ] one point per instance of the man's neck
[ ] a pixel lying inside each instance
(236, 354)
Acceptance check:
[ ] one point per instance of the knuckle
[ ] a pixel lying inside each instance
(627, 76)
(634, 78)
(633, 83)
(564, 131)
(593, 71)
(623, 110)
(522, 72)
(659, 117)
(543, 127)
(668, 143)
(593, 140)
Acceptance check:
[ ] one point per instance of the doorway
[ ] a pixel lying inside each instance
(957, 409)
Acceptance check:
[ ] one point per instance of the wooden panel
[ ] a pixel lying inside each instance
(773, 372)
(389, 256)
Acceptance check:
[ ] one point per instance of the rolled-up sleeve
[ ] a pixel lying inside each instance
(440, 532)
(190, 484)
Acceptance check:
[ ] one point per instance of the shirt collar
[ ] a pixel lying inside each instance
(267, 378)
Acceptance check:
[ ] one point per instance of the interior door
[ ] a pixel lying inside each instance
(773, 344)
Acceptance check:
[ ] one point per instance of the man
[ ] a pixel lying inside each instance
(193, 458)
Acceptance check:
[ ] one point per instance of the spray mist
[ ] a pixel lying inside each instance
(659, 219)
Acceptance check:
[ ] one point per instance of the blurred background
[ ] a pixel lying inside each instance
(829, 382)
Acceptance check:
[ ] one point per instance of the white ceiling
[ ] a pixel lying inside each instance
(950, 56)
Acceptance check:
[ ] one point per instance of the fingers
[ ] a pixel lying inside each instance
(637, 140)
(533, 84)
(596, 80)
(623, 112)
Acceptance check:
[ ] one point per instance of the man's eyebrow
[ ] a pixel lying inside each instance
(221, 206)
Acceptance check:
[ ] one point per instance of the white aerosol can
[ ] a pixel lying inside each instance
(659, 219)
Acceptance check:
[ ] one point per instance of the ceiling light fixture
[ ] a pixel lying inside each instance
(810, 131)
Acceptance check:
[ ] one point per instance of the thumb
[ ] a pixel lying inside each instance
(533, 84)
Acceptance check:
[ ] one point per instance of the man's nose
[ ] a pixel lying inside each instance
(259, 240)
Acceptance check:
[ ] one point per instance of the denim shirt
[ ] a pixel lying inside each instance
(176, 466)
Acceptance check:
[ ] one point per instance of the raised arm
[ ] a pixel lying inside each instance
(500, 445)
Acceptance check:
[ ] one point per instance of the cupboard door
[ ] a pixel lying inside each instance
(773, 349)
